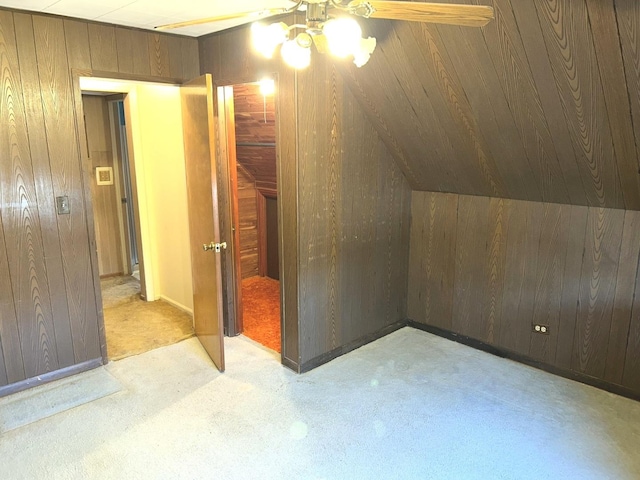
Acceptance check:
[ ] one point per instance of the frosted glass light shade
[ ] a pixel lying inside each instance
(366, 48)
(343, 36)
(295, 55)
(266, 38)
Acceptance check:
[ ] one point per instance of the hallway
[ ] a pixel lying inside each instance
(134, 326)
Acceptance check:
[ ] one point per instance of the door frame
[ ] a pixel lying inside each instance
(232, 282)
(261, 206)
(87, 176)
(286, 114)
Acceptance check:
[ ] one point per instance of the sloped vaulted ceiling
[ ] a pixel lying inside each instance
(542, 104)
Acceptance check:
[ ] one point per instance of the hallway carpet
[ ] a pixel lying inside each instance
(408, 406)
(261, 311)
(134, 326)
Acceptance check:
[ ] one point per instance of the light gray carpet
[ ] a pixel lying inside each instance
(410, 405)
(47, 400)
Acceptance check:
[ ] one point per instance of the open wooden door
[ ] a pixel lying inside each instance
(202, 193)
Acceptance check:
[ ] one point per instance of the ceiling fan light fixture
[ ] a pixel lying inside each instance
(267, 87)
(367, 46)
(266, 38)
(343, 36)
(295, 54)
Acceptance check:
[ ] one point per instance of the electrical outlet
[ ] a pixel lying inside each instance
(543, 329)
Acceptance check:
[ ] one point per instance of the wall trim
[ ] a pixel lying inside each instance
(339, 351)
(287, 362)
(517, 357)
(50, 377)
(178, 305)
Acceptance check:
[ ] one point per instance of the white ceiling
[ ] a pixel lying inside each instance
(151, 13)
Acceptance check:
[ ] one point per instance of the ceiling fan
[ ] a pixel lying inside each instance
(330, 26)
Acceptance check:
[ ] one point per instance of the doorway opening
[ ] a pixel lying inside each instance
(251, 129)
(135, 150)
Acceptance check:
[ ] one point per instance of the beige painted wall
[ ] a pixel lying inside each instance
(162, 192)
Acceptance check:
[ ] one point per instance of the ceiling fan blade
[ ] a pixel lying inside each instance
(255, 14)
(449, 13)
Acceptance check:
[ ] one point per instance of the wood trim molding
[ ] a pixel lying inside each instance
(500, 352)
(232, 161)
(261, 210)
(50, 377)
(262, 193)
(336, 352)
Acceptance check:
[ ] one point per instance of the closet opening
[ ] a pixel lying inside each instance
(251, 140)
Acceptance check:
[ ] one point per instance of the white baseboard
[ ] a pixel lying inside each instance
(177, 305)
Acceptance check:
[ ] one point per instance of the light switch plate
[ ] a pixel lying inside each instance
(62, 205)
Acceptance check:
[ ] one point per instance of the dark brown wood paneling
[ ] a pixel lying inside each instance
(248, 224)
(317, 197)
(190, 59)
(287, 171)
(470, 284)
(44, 187)
(575, 242)
(571, 268)
(565, 27)
(159, 55)
(432, 262)
(102, 44)
(255, 124)
(62, 141)
(491, 111)
(9, 337)
(597, 290)
(495, 267)
(133, 54)
(21, 220)
(513, 69)
(50, 317)
(623, 301)
(260, 162)
(628, 17)
(3, 371)
(77, 40)
(631, 375)
(532, 106)
(549, 280)
(604, 28)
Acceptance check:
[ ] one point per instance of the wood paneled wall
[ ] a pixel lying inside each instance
(248, 223)
(344, 204)
(491, 268)
(104, 197)
(542, 104)
(229, 58)
(49, 304)
(256, 123)
(354, 206)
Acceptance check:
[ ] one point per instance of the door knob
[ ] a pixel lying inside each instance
(216, 247)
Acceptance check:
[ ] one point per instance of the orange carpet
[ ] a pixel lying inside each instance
(261, 311)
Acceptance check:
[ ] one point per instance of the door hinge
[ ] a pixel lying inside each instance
(216, 247)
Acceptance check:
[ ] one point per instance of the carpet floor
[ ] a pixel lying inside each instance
(261, 311)
(134, 326)
(408, 406)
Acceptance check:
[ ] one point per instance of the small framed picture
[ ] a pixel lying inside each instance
(104, 175)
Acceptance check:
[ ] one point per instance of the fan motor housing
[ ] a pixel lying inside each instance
(316, 16)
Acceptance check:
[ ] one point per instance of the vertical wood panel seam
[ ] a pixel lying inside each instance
(631, 311)
(624, 69)
(606, 106)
